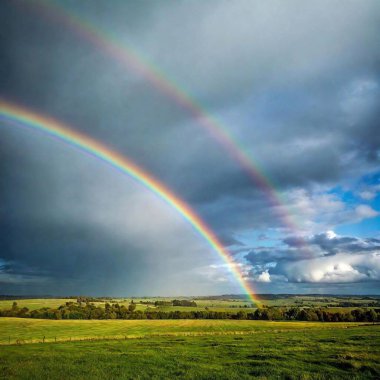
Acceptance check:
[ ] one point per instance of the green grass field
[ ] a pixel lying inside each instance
(216, 349)
(191, 349)
(25, 330)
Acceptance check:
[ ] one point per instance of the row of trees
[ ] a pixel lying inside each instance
(184, 303)
(71, 310)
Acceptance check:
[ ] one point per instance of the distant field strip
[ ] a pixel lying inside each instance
(35, 303)
(24, 331)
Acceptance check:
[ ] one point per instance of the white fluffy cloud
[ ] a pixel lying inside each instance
(335, 269)
(367, 195)
(313, 211)
(264, 277)
(365, 211)
(329, 259)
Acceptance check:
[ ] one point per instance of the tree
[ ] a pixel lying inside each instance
(241, 315)
(132, 307)
(371, 316)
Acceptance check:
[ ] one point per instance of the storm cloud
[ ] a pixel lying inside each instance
(297, 87)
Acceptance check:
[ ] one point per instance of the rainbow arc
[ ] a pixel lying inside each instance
(15, 114)
(129, 58)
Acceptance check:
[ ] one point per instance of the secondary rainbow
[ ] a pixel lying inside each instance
(49, 126)
(130, 58)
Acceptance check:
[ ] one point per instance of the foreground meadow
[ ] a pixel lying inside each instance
(26, 330)
(191, 349)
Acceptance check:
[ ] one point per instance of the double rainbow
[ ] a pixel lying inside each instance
(131, 59)
(51, 127)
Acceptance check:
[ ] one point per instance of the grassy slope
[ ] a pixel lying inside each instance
(278, 350)
(33, 330)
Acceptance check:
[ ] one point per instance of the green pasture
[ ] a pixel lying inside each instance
(216, 350)
(24, 330)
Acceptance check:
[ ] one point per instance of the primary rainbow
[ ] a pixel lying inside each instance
(16, 114)
(132, 59)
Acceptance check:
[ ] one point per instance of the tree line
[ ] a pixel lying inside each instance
(72, 310)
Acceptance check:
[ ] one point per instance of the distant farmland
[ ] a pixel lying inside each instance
(217, 303)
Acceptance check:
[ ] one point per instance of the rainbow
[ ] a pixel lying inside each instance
(51, 127)
(133, 60)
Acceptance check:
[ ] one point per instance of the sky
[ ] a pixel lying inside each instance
(296, 86)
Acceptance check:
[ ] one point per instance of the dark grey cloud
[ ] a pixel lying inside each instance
(89, 224)
(296, 248)
(297, 85)
(229, 241)
(332, 244)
